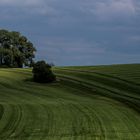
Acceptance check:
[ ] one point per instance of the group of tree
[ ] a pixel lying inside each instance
(15, 50)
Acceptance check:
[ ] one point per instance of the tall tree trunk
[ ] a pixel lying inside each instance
(1, 59)
(19, 63)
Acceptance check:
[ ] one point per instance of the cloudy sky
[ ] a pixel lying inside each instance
(77, 32)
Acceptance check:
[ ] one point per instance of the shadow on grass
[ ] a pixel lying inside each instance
(32, 82)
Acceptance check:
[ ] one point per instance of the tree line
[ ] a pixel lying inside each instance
(15, 50)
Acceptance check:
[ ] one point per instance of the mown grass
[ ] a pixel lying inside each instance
(86, 103)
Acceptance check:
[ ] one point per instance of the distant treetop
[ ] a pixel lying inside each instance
(15, 49)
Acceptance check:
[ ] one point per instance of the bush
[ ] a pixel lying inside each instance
(42, 72)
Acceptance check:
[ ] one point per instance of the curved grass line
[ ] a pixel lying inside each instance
(12, 123)
(74, 108)
(115, 86)
(125, 99)
(1, 111)
(102, 74)
(108, 80)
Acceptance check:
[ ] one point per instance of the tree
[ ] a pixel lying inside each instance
(15, 50)
(42, 72)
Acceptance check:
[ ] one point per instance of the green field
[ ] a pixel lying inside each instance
(86, 103)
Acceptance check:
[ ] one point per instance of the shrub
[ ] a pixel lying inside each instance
(42, 72)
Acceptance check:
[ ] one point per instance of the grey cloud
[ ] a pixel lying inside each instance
(135, 38)
(87, 31)
(111, 9)
(20, 3)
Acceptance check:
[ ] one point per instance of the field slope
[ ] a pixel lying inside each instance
(86, 103)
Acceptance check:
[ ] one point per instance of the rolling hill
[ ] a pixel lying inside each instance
(86, 103)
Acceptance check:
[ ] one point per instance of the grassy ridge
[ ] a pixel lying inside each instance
(129, 72)
(87, 103)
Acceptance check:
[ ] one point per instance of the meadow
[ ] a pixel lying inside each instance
(85, 103)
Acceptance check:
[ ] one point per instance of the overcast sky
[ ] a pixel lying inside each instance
(77, 32)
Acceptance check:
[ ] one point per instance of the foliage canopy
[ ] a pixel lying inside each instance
(42, 72)
(15, 50)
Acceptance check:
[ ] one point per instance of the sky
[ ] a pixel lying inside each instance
(77, 32)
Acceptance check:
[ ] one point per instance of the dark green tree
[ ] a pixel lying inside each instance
(42, 72)
(15, 50)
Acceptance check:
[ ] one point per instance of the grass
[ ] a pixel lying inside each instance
(86, 103)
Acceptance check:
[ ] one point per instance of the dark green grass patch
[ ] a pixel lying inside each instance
(85, 103)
